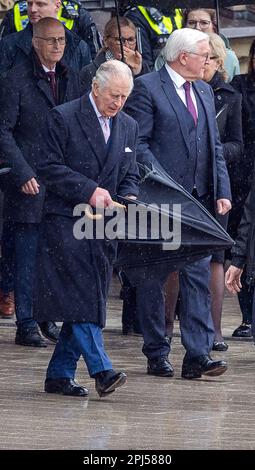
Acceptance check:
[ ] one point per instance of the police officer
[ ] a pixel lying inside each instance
(71, 14)
(155, 27)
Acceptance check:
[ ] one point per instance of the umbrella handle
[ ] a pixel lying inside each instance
(92, 216)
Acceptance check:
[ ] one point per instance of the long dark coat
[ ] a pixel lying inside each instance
(25, 100)
(232, 143)
(73, 274)
(245, 84)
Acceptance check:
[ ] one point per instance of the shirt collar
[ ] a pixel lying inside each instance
(48, 70)
(94, 106)
(99, 115)
(176, 77)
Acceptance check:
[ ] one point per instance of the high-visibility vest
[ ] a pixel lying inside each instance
(21, 19)
(68, 22)
(165, 26)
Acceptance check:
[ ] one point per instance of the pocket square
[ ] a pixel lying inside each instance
(127, 149)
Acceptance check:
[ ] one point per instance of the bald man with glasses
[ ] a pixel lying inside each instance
(16, 47)
(44, 82)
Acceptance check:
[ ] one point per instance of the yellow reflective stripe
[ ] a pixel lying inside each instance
(68, 22)
(178, 18)
(166, 21)
(18, 18)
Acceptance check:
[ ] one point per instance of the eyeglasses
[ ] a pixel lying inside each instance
(51, 41)
(214, 57)
(131, 41)
(202, 23)
(206, 57)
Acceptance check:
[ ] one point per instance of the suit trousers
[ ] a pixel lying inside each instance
(7, 256)
(75, 340)
(197, 332)
(26, 242)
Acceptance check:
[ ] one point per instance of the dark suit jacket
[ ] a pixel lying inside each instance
(25, 100)
(15, 49)
(163, 133)
(74, 274)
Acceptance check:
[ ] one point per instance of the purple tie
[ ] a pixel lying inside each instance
(52, 79)
(189, 102)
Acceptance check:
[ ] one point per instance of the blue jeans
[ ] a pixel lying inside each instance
(78, 339)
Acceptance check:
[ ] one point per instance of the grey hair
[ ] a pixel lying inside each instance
(110, 69)
(183, 40)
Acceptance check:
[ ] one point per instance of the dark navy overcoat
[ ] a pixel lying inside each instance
(73, 274)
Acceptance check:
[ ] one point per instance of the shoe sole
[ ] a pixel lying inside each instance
(118, 383)
(242, 336)
(66, 394)
(20, 343)
(216, 371)
(213, 373)
(166, 374)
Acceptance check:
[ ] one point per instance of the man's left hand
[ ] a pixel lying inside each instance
(223, 206)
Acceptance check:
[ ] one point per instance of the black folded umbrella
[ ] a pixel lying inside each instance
(198, 234)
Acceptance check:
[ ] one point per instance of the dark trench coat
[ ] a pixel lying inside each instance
(73, 275)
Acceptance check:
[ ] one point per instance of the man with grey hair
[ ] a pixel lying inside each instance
(177, 129)
(89, 157)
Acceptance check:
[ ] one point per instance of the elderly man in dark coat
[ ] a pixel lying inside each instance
(16, 47)
(89, 158)
(24, 105)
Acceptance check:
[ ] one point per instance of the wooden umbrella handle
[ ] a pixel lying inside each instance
(118, 205)
(92, 216)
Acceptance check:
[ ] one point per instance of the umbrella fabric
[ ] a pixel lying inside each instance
(201, 234)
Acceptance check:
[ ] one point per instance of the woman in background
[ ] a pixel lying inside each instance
(111, 50)
(231, 139)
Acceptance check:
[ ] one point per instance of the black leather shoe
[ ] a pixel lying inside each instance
(65, 386)
(243, 331)
(219, 346)
(108, 380)
(195, 367)
(29, 337)
(50, 330)
(160, 367)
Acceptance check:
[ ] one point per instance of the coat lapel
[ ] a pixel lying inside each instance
(175, 102)
(91, 127)
(45, 89)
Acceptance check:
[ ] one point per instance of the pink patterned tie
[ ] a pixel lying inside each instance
(189, 102)
(105, 123)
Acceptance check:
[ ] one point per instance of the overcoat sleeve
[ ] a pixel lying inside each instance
(59, 178)
(9, 116)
